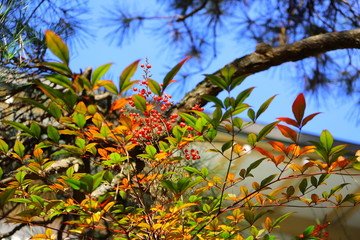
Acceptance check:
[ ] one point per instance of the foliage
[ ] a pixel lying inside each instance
(128, 171)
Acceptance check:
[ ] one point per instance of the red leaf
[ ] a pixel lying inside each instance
(289, 121)
(308, 118)
(288, 132)
(298, 108)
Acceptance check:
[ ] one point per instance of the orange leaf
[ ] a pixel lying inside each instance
(120, 103)
(279, 159)
(288, 132)
(265, 153)
(278, 146)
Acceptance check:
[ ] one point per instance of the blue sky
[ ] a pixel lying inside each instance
(336, 112)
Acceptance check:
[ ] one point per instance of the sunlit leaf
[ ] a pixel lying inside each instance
(154, 86)
(58, 67)
(140, 102)
(298, 108)
(171, 74)
(264, 106)
(98, 73)
(326, 140)
(57, 46)
(125, 83)
(4, 147)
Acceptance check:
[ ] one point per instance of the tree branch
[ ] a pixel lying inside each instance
(265, 58)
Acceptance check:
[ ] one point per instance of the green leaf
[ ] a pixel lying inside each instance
(35, 103)
(309, 230)
(303, 185)
(154, 86)
(109, 85)
(227, 72)
(57, 46)
(61, 80)
(254, 165)
(171, 186)
(18, 126)
(55, 111)
(80, 120)
(99, 72)
(74, 184)
(6, 195)
(213, 99)
(140, 102)
(313, 181)
(227, 145)
(243, 95)
(234, 111)
(4, 147)
(249, 216)
(38, 200)
(192, 170)
(252, 139)
(171, 74)
(217, 81)
(337, 188)
(322, 178)
(189, 119)
(267, 180)
(87, 183)
(281, 218)
(80, 143)
(20, 176)
(264, 106)
(116, 158)
(326, 140)
(266, 130)
(338, 148)
(35, 129)
(1, 172)
(58, 67)
(50, 92)
(125, 83)
(251, 114)
(19, 148)
(151, 150)
(97, 179)
(237, 81)
(206, 208)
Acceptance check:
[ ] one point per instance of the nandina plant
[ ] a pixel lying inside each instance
(122, 164)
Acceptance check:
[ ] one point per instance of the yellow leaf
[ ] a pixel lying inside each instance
(81, 108)
(144, 225)
(238, 149)
(108, 206)
(95, 218)
(39, 236)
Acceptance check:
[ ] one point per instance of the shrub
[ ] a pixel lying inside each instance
(124, 166)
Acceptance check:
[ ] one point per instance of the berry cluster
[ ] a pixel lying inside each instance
(152, 125)
(319, 233)
(192, 154)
